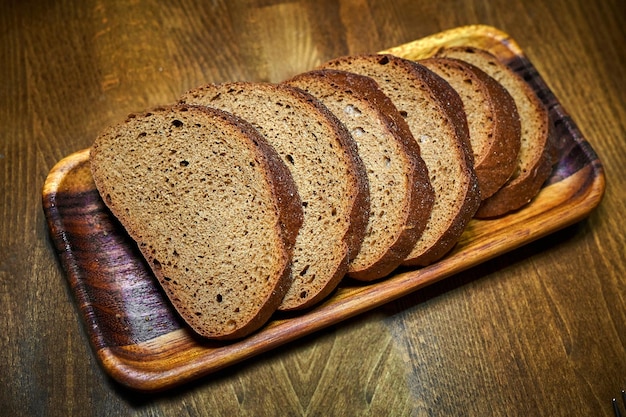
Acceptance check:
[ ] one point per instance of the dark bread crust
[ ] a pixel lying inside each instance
(289, 214)
(418, 197)
(386, 69)
(515, 195)
(360, 203)
(523, 185)
(450, 104)
(360, 198)
(498, 159)
(308, 108)
(275, 175)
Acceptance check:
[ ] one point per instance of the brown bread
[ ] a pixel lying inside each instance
(212, 208)
(328, 172)
(400, 192)
(537, 152)
(492, 118)
(435, 115)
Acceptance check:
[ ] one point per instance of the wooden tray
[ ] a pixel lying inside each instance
(141, 342)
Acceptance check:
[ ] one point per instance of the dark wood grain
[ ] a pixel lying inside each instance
(539, 331)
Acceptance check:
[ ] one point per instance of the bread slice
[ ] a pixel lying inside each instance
(537, 153)
(401, 196)
(328, 172)
(212, 208)
(492, 118)
(435, 115)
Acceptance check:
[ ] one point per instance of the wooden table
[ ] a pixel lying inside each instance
(539, 331)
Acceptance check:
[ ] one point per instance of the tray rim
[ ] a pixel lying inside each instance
(145, 376)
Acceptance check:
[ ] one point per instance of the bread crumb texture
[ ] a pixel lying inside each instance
(193, 189)
(397, 177)
(325, 166)
(429, 111)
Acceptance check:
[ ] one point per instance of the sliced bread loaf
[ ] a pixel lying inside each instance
(401, 196)
(212, 208)
(435, 115)
(537, 152)
(492, 118)
(328, 172)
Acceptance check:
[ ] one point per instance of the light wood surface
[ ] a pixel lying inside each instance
(540, 331)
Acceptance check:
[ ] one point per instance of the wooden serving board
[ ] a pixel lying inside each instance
(143, 344)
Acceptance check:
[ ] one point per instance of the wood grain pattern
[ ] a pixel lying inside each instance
(539, 331)
(143, 345)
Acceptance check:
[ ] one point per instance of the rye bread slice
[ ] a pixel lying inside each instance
(329, 175)
(401, 196)
(212, 208)
(492, 118)
(435, 115)
(537, 153)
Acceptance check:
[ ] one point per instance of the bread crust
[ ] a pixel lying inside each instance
(359, 213)
(523, 185)
(418, 197)
(452, 105)
(496, 161)
(361, 197)
(357, 198)
(435, 91)
(275, 175)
